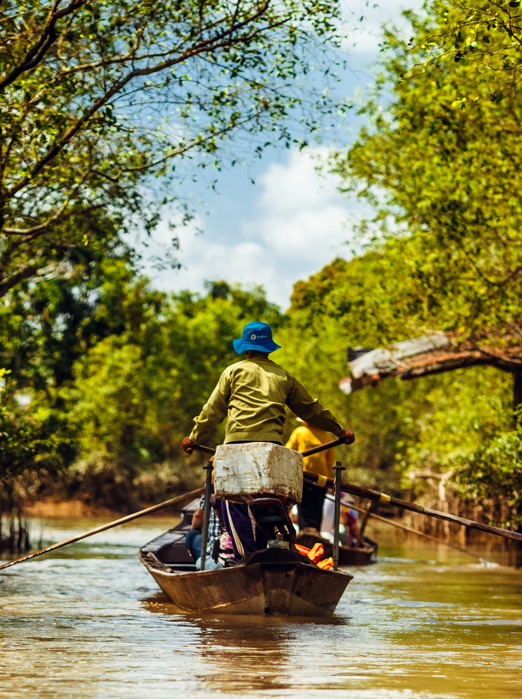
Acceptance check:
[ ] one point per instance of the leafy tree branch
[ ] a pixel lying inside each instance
(100, 99)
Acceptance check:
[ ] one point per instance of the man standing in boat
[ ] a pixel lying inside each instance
(253, 394)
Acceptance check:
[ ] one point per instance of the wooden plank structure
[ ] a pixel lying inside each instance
(436, 353)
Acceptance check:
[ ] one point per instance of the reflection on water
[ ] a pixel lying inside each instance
(88, 621)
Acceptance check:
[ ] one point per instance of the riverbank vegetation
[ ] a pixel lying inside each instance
(102, 374)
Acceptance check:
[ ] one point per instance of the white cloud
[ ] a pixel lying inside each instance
(301, 213)
(365, 19)
(296, 221)
(296, 227)
(203, 258)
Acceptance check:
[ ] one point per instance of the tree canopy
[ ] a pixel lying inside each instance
(103, 374)
(485, 34)
(98, 97)
(442, 175)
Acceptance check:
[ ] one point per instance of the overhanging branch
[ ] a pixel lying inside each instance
(37, 52)
(15, 279)
(215, 43)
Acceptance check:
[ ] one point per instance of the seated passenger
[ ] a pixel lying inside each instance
(194, 535)
(347, 519)
(245, 536)
(253, 394)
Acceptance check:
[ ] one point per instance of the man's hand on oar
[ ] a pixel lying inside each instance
(347, 436)
(188, 445)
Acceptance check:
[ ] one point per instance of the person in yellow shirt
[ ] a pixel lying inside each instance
(310, 508)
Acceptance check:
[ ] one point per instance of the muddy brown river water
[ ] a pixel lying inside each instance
(89, 622)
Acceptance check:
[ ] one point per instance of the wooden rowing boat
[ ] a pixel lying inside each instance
(272, 581)
(348, 555)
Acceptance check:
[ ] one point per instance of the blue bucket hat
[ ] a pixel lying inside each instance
(256, 336)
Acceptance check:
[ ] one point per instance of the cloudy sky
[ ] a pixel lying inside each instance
(292, 221)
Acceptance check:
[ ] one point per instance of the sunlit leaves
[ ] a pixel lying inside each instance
(485, 35)
(494, 469)
(120, 90)
(443, 166)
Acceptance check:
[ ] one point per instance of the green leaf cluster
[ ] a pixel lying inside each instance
(100, 100)
(440, 162)
(494, 469)
(484, 34)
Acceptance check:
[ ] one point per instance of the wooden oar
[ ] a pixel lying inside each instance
(308, 452)
(323, 447)
(205, 450)
(377, 496)
(115, 523)
(369, 513)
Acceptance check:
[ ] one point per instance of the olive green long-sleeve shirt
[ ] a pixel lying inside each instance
(254, 393)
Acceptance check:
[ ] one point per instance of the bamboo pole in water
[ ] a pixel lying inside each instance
(109, 525)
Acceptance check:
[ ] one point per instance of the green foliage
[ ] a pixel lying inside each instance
(44, 330)
(494, 469)
(110, 408)
(486, 35)
(443, 181)
(30, 440)
(45, 327)
(362, 295)
(114, 372)
(400, 426)
(31, 450)
(96, 97)
(453, 415)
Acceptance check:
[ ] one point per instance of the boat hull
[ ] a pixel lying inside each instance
(257, 588)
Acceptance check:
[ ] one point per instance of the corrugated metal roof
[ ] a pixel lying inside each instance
(389, 357)
(435, 353)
